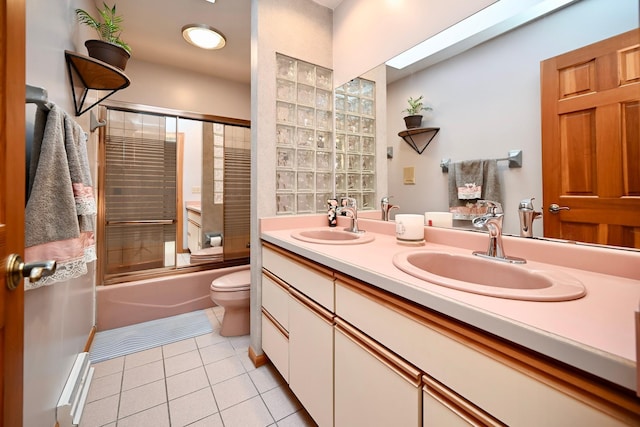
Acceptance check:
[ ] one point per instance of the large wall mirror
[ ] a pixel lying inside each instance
(176, 192)
(486, 102)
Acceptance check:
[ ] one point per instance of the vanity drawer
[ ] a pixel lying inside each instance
(275, 343)
(489, 373)
(275, 299)
(194, 217)
(313, 281)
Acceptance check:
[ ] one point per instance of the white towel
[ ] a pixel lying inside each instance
(60, 211)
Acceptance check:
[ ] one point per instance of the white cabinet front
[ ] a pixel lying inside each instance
(370, 390)
(311, 357)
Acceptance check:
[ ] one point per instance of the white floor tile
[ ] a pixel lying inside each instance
(105, 386)
(100, 412)
(251, 412)
(192, 407)
(141, 375)
(182, 362)
(211, 421)
(299, 419)
(216, 352)
(266, 377)
(281, 402)
(186, 382)
(142, 398)
(142, 357)
(210, 339)
(158, 416)
(199, 382)
(179, 347)
(234, 391)
(108, 367)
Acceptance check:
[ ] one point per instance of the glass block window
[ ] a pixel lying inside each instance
(304, 136)
(355, 142)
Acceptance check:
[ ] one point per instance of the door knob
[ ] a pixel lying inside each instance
(555, 208)
(16, 269)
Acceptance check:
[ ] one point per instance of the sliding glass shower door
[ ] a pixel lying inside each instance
(139, 192)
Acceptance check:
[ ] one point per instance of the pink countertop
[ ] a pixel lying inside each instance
(193, 206)
(595, 333)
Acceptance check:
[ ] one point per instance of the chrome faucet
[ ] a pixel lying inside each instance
(527, 215)
(386, 207)
(351, 208)
(492, 220)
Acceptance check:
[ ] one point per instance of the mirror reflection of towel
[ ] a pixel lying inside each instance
(470, 181)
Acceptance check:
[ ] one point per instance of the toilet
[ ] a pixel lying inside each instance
(231, 291)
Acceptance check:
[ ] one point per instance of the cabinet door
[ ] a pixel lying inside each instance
(311, 357)
(441, 407)
(373, 387)
(275, 344)
(193, 237)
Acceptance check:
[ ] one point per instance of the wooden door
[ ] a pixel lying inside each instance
(591, 142)
(12, 188)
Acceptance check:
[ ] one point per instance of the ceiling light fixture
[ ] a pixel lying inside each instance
(203, 36)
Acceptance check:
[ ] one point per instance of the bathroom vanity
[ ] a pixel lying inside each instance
(361, 342)
(194, 226)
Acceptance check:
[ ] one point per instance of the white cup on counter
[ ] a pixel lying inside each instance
(410, 228)
(438, 219)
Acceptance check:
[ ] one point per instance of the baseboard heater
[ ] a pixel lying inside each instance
(74, 394)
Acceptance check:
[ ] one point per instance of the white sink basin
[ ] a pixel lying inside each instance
(332, 236)
(487, 277)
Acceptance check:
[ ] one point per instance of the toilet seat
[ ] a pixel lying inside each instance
(233, 282)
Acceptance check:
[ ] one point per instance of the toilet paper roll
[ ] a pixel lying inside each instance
(438, 219)
(410, 227)
(215, 241)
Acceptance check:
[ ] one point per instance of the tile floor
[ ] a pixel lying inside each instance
(204, 381)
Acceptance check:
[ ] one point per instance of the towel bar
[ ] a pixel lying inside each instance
(37, 95)
(514, 157)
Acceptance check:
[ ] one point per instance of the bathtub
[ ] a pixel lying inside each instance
(143, 300)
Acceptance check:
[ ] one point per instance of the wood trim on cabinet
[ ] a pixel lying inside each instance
(277, 324)
(298, 259)
(322, 312)
(257, 359)
(471, 414)
(404, 369)
(608, 398)
(278, 281)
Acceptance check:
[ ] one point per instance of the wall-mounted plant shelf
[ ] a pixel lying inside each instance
(422, 143)
(88, 73)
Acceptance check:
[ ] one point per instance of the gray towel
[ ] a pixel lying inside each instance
(60, 211)
(50, 214)
(482, 173)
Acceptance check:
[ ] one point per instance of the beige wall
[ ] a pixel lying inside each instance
(58, 318)
(300, 29)
(178, 89)
(368, 33)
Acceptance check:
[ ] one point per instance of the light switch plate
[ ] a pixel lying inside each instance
(409, 175)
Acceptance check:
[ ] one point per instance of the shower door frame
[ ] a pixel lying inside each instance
(103, 278)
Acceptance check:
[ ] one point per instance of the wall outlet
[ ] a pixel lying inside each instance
(409, 175)
(195, 190)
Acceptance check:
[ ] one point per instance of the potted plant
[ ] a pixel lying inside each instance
(414, 118)
(110, 48)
